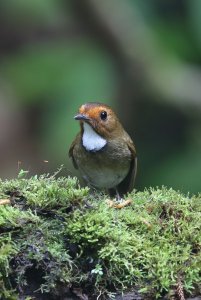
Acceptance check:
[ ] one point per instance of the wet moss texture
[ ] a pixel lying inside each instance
(58, 239)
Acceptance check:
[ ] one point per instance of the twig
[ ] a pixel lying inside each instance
(180, 289)
(4, 201)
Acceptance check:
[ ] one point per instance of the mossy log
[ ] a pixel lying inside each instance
(58, 239)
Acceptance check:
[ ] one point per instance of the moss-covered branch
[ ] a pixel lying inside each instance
(57, 238)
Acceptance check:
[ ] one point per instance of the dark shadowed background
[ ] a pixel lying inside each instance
(141, 57)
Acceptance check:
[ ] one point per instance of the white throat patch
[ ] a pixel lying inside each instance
(92, 141)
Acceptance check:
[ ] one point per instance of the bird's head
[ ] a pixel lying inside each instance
(101, 118)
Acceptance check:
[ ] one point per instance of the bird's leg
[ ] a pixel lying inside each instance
(119, 203)
(118, 197)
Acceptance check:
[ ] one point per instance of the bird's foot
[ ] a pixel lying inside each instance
(118, 204)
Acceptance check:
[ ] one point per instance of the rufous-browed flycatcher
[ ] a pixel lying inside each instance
(103, 151)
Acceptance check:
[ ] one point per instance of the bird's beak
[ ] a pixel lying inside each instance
(81, 117)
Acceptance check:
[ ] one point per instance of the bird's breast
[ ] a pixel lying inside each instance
(105, 168)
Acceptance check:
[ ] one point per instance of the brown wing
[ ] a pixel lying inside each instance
(70, 153)
(128, 183)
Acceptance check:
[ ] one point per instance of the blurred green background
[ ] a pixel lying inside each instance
(141, 57)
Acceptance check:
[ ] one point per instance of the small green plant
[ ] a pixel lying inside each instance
(98, 270)
(22, 173)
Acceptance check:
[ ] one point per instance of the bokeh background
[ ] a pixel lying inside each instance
(141, 57)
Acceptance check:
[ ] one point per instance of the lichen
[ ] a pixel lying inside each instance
(56, 238)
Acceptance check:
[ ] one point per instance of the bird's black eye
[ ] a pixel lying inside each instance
(103, 115)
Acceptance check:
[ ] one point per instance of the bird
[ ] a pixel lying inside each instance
(103, 152)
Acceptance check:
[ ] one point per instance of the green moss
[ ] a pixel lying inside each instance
(56, 237)
(149, 244)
